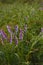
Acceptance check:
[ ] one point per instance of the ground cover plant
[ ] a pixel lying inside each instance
(21, 34)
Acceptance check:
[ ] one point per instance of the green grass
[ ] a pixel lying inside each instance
(18, 12)
(25, 53)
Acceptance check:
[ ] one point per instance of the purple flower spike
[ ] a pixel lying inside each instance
(9, 29)
(16, 40)
(21, 34)
(41, 29)
(16, 28)
(3, 34)
(1, 38)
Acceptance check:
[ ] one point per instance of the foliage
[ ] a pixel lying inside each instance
(23, 1)
(29, 51)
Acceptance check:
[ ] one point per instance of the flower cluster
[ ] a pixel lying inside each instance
(13, 35)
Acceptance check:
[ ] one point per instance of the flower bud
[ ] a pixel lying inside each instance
(21, 34)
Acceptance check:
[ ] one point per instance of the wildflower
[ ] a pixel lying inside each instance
(3, 34)
(1, 38)
(16, 40)
(16, 28)
(9, 29)
(41, 29)
(21, 34)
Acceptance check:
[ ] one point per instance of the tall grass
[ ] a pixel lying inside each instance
(30, 50)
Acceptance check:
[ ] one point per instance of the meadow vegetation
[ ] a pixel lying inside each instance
(22, 22)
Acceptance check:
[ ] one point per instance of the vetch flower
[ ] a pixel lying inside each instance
(1, 38)
(16, 28)
(21, 34)
(3, 34)
(41, 29)
(9, 29)
(16, 40)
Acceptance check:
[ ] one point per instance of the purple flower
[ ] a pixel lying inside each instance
(41, 29)
(3, 34)
(16, 28)
(21, 34)
(1, 38)
(9, 29)
(16, 40)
